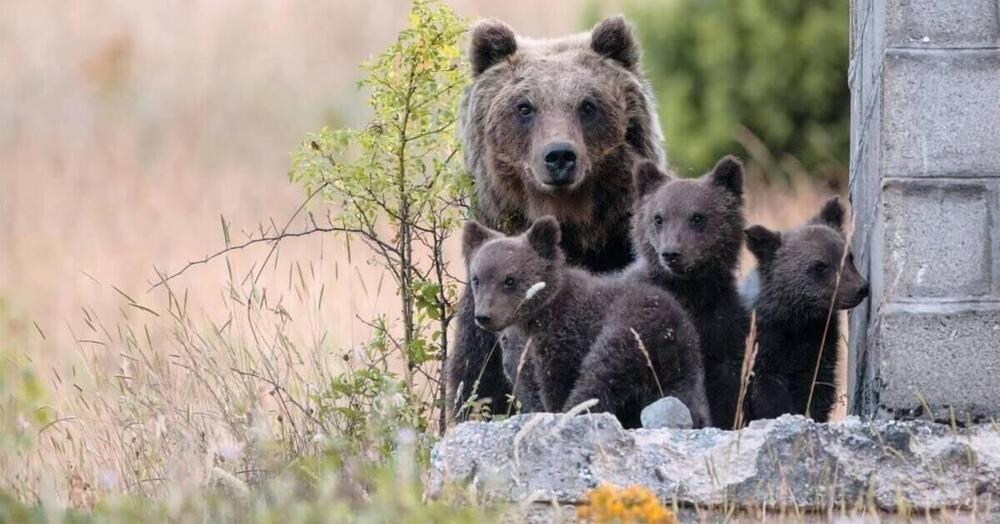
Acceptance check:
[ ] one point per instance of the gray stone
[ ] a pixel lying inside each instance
(945, 357)
(940, 113)
(938, 238)
(782, 465)
(668, 412)
(935, 23)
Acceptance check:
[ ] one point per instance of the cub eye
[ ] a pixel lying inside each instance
(658, 219)
(820, 268)
(697, 220)
(587, 108)
(508, 282)
(475, 281)
(525, 109)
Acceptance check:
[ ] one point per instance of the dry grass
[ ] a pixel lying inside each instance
(135, 128)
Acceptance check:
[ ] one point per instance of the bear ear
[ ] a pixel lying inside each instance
(831, 215)
(728, 174)
(648, 177)
(544, 236)
(475, 235)
(762, 242)
(613, 39)
(492, 41)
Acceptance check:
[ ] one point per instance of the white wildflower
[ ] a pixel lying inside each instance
(534, 289)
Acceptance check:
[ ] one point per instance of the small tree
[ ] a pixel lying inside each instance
(398, 183)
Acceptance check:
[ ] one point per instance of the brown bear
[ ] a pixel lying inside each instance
(623, 342)
(550, 127)
(798, 277)
(688, 235)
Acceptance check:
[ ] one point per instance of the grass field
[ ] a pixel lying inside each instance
(128, 136)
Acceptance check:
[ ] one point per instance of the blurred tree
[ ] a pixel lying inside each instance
(765, 76)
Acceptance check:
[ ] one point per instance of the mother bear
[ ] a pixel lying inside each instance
(550, 127)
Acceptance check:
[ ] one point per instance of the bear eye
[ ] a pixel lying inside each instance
(697, 220)
(820, 268)
(524, 109)
(658, 219)
(587, 108)
(508, 282)
(475, 281)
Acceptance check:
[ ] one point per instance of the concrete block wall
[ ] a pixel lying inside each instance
(925, 190)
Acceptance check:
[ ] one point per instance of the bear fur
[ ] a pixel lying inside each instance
(584, 330)
(798, 277)
(688, 235)
(519, 369)
(550, 127)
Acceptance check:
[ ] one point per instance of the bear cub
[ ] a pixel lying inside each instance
(584, 331)
(688, 235)
(798, 278)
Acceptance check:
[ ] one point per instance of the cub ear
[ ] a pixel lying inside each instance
(831, 215)
(648, 177)
(475, 235)
(728, 174)
(613, 39)
(492, 41)
(762, 242)
(544, 236)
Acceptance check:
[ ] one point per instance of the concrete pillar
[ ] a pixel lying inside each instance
(925, 189)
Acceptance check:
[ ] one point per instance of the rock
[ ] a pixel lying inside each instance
(668, 412)
(788, 463)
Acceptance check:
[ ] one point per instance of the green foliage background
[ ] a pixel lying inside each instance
(777, 68)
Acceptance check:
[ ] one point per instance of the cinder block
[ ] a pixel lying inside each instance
(938, 239)
(940, 113)
(937, 23)
(947, 356)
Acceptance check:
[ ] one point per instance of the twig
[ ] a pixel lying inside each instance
(746, 372)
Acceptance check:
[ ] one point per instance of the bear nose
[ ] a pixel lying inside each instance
(863, 292)
(560, 159)
(671, 257)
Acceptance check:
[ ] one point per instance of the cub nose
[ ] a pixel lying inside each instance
(671, 257)
(560, 159)
(863, 292)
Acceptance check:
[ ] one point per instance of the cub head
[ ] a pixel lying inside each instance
(511, 277)
(686, 227)
(799, 268)
(547, 112)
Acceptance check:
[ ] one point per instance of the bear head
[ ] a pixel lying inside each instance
(511, 277)
(684, 228)
(550, 120)
(800, 269)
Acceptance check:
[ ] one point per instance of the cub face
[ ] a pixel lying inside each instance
(685, 226)
(800, 266)
(511, 277)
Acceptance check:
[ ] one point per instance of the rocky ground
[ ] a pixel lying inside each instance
(535, 464)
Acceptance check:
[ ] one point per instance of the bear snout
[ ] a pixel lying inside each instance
(863, 292)
(484, 321)
(560, 164)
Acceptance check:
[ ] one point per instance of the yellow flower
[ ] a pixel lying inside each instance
(609, 504)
